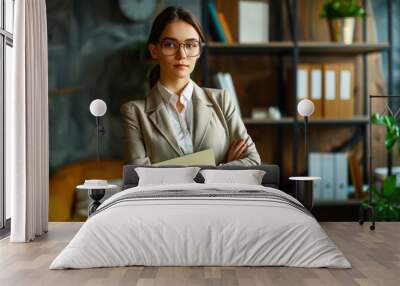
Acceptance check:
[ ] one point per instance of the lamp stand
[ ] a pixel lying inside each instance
(100, 133)
(306, 141)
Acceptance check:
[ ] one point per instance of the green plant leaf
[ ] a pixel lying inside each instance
(376, 195)
(376, 118)
(390, 140)
(389, 121)
(389, 187)
(341, 8)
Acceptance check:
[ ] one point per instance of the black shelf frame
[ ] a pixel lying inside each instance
(305, 48)
(295, 48)
(356, 121)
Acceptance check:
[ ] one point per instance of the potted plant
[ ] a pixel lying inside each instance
(387, 199)
(341, 16)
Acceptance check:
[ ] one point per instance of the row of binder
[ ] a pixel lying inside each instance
(333, 169)
(330, 86)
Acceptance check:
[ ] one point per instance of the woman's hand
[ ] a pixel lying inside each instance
(237, 150)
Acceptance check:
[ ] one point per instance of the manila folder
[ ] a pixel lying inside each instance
(205, 157)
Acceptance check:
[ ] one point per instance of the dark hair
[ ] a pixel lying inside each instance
(168, 15)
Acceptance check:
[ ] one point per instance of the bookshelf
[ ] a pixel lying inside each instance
(305, 48)
(356, 120)
(292, 50)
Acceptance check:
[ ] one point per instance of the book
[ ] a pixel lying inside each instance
(225, 27)
(253, 22)
(205, 157)
(356, 175)
(215, 23)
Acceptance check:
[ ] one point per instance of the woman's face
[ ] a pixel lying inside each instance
(177, 65)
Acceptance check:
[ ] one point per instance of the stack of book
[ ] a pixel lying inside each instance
(333, 169)
(218, 25)
(329, 86)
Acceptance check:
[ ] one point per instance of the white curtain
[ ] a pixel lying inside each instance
(27, 148)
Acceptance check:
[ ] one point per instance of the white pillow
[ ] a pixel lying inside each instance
(165, 176)
(248, 177)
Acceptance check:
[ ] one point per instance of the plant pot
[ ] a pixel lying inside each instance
(342, 29)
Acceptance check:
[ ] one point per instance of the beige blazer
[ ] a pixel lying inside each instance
(149, 137)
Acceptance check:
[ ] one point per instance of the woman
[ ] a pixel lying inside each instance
(178, 117)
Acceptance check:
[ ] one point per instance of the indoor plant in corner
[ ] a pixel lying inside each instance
(387, 200)
(341, 16)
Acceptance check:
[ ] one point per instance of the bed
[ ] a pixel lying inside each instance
(198, 224)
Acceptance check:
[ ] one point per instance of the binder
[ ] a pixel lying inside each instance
(302, 88)
(303, 81)
(332, 168)
(330, 94)
(346, 90)
(315, 93)
(341, 176)
(328, 165)
(314, 160)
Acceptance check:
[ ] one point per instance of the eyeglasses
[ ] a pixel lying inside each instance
(170, 47)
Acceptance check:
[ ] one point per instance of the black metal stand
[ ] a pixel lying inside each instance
(370, 211)
(367, 211)
(369, 208)
(96, 195)
(306, 141)
(304, 193)
(99, 132)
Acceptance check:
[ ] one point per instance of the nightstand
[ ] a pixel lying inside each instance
(96, 190)
(304, 190)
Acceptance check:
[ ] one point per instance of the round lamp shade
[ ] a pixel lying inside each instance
(98, 107)
(305, 107)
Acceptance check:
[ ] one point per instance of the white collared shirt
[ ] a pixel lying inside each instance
(182, 122)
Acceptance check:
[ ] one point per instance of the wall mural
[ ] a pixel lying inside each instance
(96, 50)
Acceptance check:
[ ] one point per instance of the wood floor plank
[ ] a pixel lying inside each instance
(374, 255)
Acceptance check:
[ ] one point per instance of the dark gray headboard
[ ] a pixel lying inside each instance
(270, 179)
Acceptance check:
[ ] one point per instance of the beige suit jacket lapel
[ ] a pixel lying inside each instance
(158, 115)
(202, 114)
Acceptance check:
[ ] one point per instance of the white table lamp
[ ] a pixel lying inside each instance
(305, 108)
(98, 108)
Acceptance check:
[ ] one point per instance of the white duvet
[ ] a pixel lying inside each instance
(183, 231)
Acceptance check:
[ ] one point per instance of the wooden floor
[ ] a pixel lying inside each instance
(374, 255)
